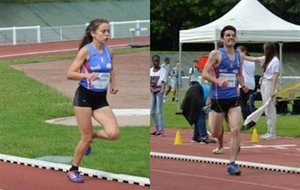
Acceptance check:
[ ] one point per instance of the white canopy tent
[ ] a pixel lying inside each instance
(254, 24)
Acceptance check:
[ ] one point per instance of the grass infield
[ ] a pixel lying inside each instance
(287, 125)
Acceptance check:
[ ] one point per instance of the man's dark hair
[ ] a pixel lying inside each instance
(228, 27)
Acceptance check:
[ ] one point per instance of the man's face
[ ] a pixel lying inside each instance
(229, 38)
(195, 63)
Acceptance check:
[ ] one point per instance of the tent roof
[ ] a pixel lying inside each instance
(254, 23)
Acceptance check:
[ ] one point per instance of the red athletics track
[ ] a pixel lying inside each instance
(15, 177)
(19, 177)
(29, 50)
(179, 174)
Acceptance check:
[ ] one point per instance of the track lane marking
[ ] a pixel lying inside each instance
(221, 179)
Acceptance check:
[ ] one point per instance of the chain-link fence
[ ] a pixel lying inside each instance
(37, 34)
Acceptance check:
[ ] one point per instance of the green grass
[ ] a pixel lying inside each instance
(173, 120)
(67, 56)
(26, 103)
(287, 125)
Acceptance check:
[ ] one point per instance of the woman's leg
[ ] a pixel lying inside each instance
(159, 111)
(106, 118)
(265, 94)
(153, 111)
(84, 121)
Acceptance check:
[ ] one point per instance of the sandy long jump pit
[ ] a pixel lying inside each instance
(132, 77)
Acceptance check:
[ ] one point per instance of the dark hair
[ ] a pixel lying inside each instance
(244, 49)
(228, 27)
(270, 52)
(93, 25)
(155, 58)
(195, 61)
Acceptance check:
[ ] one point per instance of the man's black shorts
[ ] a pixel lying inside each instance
(223, 105)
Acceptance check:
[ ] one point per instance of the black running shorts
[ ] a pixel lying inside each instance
(87, 98)
(223, 105)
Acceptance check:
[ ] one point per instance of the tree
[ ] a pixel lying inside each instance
(170, 16)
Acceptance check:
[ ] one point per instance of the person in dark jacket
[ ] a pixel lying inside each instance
(191, 106)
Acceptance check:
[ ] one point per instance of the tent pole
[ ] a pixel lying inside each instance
(179, 79)
(280, 61)
(216, 45)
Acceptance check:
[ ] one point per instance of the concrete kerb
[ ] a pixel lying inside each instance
(125, 117)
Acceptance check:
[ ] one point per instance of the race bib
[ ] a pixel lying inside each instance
(102, 81)
(230, 78)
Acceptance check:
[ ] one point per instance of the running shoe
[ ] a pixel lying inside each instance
(195, 140)
(161, 132)
(265, 135)
(208, 141)
(218, 151)
(74, 176)
(233, 169)
(269, 136)
(88, 151)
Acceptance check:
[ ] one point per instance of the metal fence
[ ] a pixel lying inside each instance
(38, 34)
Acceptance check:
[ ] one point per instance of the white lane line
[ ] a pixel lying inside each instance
(201, 159)
(131, 112)
(280, 146)
(243, 182)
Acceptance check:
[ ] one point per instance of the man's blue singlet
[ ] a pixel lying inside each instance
(226, 70)
(99, 64)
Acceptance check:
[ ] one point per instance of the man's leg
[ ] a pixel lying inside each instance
(234, 118)
(215, 121)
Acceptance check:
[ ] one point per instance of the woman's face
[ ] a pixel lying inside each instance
(265, 48)
(155, 62)
(102, 33)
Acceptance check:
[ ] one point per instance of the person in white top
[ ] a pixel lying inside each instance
(166, 65)
(248, 74)
(175, 80)
(194, 73)
(269, 85)
(157, 87)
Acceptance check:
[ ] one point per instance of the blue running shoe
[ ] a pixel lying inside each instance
(75, 177)
(233, 169)
(88, 151)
